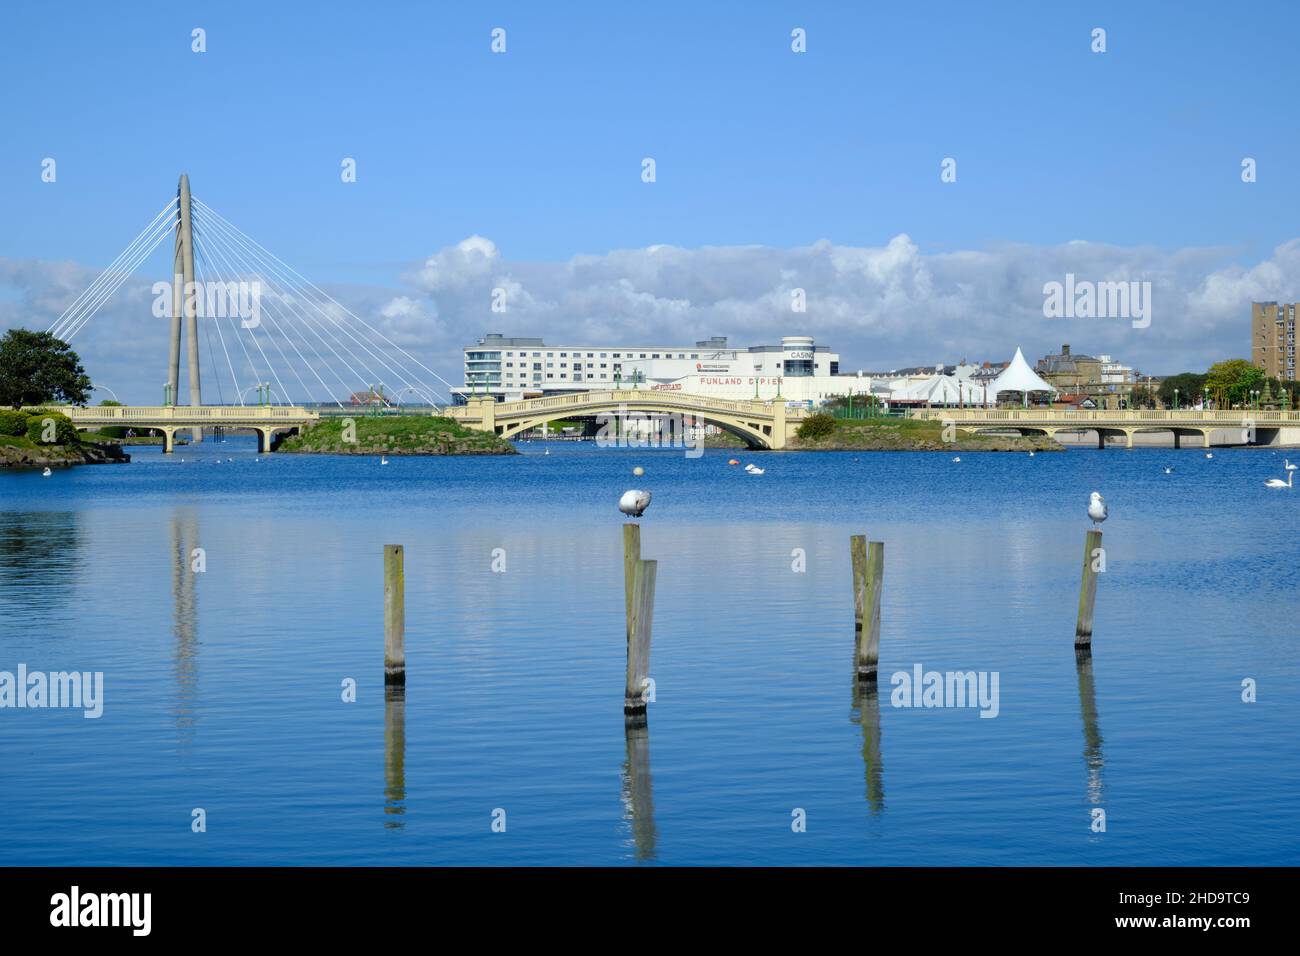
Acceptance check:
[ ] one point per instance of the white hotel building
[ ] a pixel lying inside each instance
(514, 368)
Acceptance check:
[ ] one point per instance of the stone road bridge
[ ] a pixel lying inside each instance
(1250, 426)
(760, 424)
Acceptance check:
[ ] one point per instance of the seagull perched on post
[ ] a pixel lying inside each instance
(634, 503)
(1097, 509)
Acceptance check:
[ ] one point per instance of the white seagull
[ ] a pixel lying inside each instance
(634, 503)
(1279, 483)
(1097, 510)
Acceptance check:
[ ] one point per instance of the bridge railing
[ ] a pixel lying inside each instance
(108, 414)
(682, 400)
(1166, 416)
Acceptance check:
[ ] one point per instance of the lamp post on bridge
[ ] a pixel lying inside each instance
(169, 394)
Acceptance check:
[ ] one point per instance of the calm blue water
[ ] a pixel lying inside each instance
(223, 688)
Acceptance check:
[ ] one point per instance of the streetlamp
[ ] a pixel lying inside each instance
(169, 397)
(1175, 399)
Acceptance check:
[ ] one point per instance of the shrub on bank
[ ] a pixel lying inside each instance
(13, 422)
(816, 427)
(38, 429)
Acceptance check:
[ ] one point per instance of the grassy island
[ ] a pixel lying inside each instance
(824, 433)
(404, 435)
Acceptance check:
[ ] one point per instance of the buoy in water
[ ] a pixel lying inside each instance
(638, 471)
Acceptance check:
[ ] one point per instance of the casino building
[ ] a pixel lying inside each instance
(513, 368)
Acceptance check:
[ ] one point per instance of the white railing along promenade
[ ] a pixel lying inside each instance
(1129, 416)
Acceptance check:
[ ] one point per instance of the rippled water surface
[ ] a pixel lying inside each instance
(223, 688)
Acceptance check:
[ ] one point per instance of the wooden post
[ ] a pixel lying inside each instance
(640, 625)
(1087, 591)
(394, 615)
(858, 553)
(867, 651)
(631, 555)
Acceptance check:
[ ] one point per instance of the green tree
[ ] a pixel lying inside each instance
(36, 367)
(1231, 381)
(1141, 397)
(1190, 386)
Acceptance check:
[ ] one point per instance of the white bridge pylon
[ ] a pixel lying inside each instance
(252, 323)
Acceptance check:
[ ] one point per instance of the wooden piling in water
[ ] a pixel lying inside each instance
(394, 615)
(1087, 591)
(639, 591)
(858, 553)
(868, 579)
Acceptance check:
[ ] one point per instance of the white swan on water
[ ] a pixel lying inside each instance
(1286, 463)
(958, 458)
(383, 459)
(1097, 509)
(1279, 483)
(46, 473)
(755, 471)
(1209, 455)
(1169, 471)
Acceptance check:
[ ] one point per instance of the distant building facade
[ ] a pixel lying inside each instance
(1272, 338)
(511, 368)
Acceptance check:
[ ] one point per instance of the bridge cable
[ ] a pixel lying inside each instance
(324, 294)
(315, 327)
(76, 325)
(103, 277)
(221, 246)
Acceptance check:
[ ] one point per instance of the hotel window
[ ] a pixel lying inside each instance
(643, 355)
(564, 355)
(656, 355)
(602, 355)
(549, 375)
(564, 365)
(550, 365)
(616, 355)
(589, 355)
(602, 364)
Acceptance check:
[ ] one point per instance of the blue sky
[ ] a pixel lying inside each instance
(539, 149)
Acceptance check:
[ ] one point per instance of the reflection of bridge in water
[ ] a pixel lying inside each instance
(759, 424)
(1254, 426)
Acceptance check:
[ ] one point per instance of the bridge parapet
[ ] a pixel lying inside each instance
(765, 423)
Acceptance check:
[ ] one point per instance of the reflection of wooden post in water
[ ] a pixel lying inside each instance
(1092, 755)
(1087, 591)
(639, 594)
(866, 701)
(394, 753)
(394, 615)
(868, 578)
(638, 793)
(184, 617)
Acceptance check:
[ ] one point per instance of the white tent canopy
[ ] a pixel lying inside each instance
(938, 390)
(1018, 377)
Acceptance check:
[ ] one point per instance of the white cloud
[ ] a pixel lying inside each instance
(881, 307)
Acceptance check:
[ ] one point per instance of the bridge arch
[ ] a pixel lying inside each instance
(755, 435)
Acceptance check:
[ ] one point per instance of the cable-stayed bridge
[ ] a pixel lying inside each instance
(259, 337)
